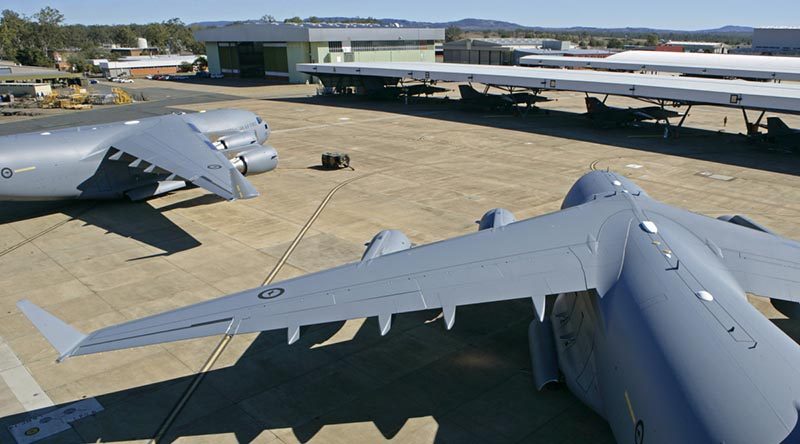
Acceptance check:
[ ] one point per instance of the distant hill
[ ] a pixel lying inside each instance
(474, 24)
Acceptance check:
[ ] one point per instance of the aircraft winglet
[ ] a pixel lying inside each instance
(61, 336)
(242, 188)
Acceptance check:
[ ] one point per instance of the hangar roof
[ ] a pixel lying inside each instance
(12, 72)
(723, 65)
(733, 93)
(307, 32)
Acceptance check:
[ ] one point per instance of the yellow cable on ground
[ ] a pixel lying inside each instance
(212, 359)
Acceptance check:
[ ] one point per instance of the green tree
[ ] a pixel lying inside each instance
(14, 31)
(201, 63)
(99, 34)
(123, 35)
(453, 33)
(652, 40)
(294, 19)
(268, 18)
(157, 35)
(33, 56)
(614, 43)
(48, 29)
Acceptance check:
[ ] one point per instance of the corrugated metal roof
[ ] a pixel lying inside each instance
(17, 72)
(284, 32)
(735, 93)
(723, 65)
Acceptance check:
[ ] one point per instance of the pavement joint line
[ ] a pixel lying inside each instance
(226, 339)
(45, 231)
(741, 197)
(343, 122)
(20, 381)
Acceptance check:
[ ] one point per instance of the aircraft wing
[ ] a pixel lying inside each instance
(550, 254)
(169, 144)
(764, 263)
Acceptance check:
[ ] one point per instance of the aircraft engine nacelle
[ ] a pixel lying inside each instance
(236, 140)
(598, 183)
(385, 242)
(496, 218)
(256, 160)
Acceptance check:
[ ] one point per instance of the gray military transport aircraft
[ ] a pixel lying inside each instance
(650, 327)
(138, 159)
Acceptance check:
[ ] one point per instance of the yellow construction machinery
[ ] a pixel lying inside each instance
(121, 96)
(79, 98)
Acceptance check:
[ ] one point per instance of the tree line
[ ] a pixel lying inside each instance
(599, 38)
(28, 40)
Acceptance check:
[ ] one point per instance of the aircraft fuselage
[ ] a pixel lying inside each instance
(72, 163)
(671, 351)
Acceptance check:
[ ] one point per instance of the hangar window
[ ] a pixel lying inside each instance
(335, 46)
(389, 45)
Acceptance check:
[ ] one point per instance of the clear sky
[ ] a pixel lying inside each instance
(673, 14)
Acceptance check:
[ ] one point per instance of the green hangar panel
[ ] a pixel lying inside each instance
(272, 50)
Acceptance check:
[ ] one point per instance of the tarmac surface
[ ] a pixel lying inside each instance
(435, 170)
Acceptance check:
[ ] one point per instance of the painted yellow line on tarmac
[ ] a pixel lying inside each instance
(212, 359)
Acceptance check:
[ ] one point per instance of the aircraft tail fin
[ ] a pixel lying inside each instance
(593, 105)
(777, 126)
(468, 92)
(59, 334)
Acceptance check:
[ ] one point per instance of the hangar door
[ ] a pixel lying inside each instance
(276, 61)
(251, 60)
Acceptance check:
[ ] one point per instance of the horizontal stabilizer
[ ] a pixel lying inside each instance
(60, 335)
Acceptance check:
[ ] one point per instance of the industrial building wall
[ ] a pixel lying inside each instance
(298, 52)
(479, 56)
(141, 72)
(395, 56)
(212, 55)
(777, 39)
(278, 57)
(26, 89)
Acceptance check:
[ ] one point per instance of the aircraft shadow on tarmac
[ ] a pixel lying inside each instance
(135, 220)
(474, 381)
(695, 143)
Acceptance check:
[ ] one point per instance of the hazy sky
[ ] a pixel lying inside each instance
(674, 14)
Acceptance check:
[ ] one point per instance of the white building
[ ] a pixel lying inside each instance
(140, 66)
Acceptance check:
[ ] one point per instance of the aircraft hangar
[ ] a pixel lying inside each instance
(271, 50)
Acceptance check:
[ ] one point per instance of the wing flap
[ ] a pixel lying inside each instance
(766, 276)
(171, 145)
